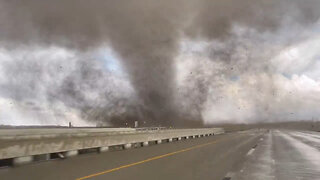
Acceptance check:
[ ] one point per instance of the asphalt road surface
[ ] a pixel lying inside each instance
(255, 154)
(284, 155)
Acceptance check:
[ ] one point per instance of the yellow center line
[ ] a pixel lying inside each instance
(147, 160)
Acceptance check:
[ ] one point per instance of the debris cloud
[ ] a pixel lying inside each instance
(146, 37)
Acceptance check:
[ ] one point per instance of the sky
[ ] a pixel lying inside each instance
(111, 62)
(288, 91)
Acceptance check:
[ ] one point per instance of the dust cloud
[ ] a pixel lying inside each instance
(147, 38)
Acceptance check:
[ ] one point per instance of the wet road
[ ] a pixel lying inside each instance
(255, 154)
(284, 155)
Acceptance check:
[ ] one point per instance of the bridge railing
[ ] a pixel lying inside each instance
(27, 146)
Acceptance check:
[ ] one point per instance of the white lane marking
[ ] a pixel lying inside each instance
(228, 176)
(259, 165)
(250, 152)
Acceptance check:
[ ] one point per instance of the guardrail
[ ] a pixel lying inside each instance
(29, 146)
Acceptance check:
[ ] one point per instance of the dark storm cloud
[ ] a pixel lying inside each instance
(144, 33)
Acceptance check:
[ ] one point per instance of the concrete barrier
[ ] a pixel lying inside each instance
(24, 145)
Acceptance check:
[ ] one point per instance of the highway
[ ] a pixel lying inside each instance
(254, 154)
(284, 155)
